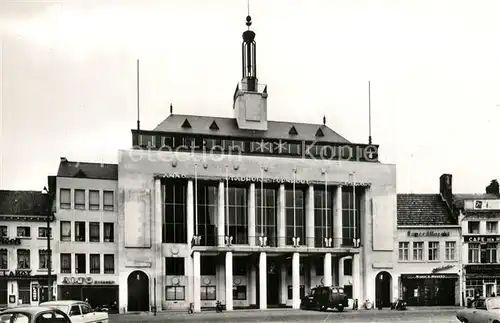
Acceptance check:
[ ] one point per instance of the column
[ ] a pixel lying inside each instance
(327, 269)
(229, 281)
(197, 278)
(337, 218)
(296, 280)
(253, 285)
(366, 217)
(221, 213)
(188, 264)
(159, 260)
(310, 217)
(251, 216)
(189, 213)
(263, 281)
(281, 217)
(284, 283)
(356, 277)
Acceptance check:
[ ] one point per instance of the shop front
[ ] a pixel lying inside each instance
(430, 289)
(21, 287)
(96, 291)
(482, 280)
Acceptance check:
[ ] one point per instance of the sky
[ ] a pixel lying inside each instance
(68, 78)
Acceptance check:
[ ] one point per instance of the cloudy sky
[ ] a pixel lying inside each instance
(68, 77)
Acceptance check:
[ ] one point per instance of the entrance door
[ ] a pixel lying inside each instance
(273, 283)
(490, 289)
(138, 292)
(383, 289)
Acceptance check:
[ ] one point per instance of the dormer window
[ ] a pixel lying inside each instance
(214, 126)
(293, 131)
(186, 124)
(319, 133)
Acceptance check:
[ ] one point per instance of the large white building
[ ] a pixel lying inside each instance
(86, 212)
(249, 211)
(24, 259)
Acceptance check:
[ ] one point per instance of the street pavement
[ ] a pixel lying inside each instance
(440, 315)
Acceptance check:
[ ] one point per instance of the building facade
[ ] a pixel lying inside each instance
(250, 212)
(479, 216)
(429, 249)
(86, 255)
(23, 247)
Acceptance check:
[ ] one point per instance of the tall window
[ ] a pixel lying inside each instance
(207, 213)
(350, 215)
(109, 232)
(94, 229)
(65, 263)
(238, 210)
(95, 263)
(473, 253)
(4, 260)
(3, 231)
(174, 266)
(491, 253)
(80, 199)
(492, 226)
(323, 216)
(80, 231)
(94, 200)
(433, 250)
(80, 263)
(108, 201)
(43, 259)
(450, 249)
(266, 211)
(295, 228)
(24, 291)
(109, 264)
(23, 259)
(418, 250)
(65, 231)
(174, 221)
(404, 251)
(473, 227)
(65, 198)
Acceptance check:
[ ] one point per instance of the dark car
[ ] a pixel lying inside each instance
(323, 298)
(34, 314)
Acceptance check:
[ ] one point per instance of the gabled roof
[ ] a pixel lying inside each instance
(88, 170)
(229, 128)
(23, 203)
(423, 209)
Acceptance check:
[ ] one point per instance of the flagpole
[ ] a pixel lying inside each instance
(261, 201)
(326, 205)
(294, 212)
(196, 198)
(227, 205)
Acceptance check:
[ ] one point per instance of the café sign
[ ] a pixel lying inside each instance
(482, 239)
(429, 234)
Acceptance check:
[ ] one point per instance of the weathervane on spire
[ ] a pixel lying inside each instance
(249, 19)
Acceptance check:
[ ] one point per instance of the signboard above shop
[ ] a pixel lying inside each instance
(482, 269)
(429, 233)
(481, 239)
(482, 204)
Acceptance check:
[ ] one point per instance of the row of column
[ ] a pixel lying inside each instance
(327, 279)
(281, 220)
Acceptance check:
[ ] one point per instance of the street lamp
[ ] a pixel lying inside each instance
(49, 212)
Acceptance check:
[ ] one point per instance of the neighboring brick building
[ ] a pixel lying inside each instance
(428, 257)
(23, 247)
(86, 255)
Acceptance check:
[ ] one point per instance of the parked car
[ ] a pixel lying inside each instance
(324, 297)
(481, 310)
(78, 311)
(34, 314)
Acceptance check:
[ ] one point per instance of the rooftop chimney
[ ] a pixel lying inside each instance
(493, 188)
(64, 160)
(445, 189)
